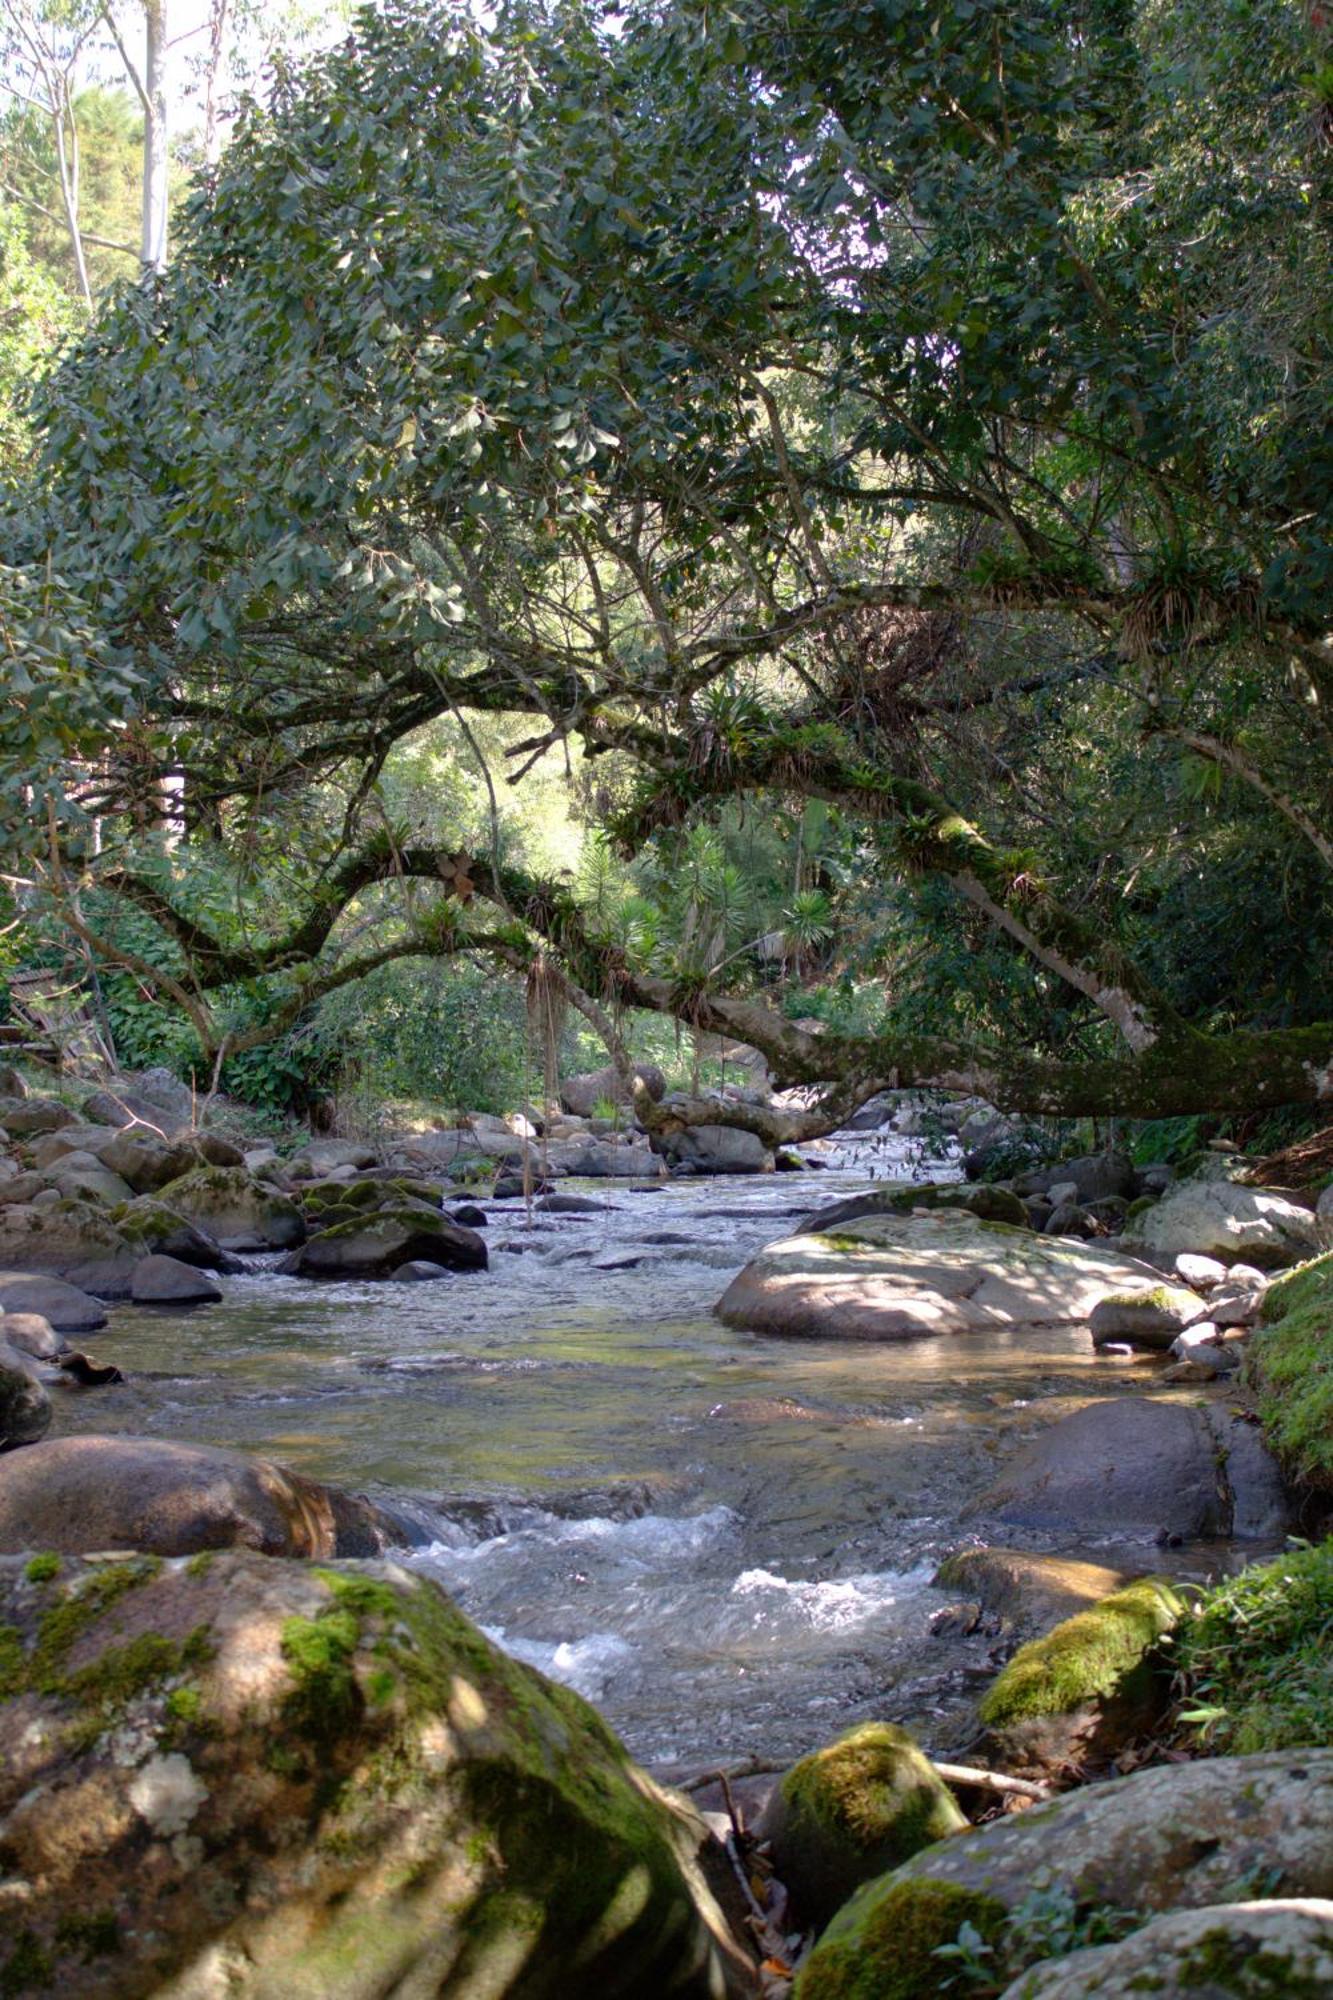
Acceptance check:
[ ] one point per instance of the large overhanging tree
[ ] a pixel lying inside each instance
(754, 404)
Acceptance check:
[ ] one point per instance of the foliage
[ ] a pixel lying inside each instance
(1289, 1365)
(1256, 1659)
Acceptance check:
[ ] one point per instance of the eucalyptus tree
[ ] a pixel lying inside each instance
(762, 403)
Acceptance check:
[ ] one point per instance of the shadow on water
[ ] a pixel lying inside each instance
(725, 1541)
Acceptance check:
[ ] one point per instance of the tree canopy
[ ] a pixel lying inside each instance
(924, 415)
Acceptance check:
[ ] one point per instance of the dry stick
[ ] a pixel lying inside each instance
(998, 1782)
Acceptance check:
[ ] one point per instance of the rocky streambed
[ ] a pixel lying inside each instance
(725, 1540)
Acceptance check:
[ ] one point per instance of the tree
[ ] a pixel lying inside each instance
(751, 403)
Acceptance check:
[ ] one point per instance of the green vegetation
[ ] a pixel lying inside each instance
(1289, 1368)
(887, 1945)
(1256, 1658)
(1087, 1658)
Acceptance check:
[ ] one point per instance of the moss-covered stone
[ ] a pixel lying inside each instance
(1289, 1367)
(239, 1210)
(332, 1770)
(1086, 1659)
(886, 1943)
(852, 1810)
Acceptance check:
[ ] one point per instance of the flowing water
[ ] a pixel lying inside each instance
(725, 1541)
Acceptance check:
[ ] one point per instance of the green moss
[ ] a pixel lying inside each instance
(886, 1945)
(1222, 1962)
(1256, 1660)
(1139, 1206)
(96, 1935)
(42, 1568)
(1086, 1658)
(80, 1608)
(186, 1704)
(1289, 1367)
(13, 1663)
(201, 1564)
(28, 1968)
(875, 1789)
(325, 1698)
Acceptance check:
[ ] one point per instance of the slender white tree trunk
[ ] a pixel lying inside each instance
(156, 189)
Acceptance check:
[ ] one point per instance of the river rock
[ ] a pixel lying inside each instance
(598, 1159)
(1172, 1837)
(31, 1333)
(1137, 1468)
(1029, 1592)
(161, 1281)
(24, 1118)
(25, 1407)
(11, 1083)
(76, 1494)
(376, 1246)
(1237, 1308)
(1150, 1316)
(154, 1098)
(849, 1812)
(240, 1212)
(1222, 1220)
(580, 1095)
(64, 1237)
(269, 1780)
(1255, 1949)
(84, 1178)
(69, 1309)
(1200, 1274)
(324, 1156)
(890, 1277)
(980, 1198)
(713, 1149)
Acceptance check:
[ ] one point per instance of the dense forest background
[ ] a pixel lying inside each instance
(805, 526)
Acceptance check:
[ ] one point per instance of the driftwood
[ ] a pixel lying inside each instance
(966, 1776)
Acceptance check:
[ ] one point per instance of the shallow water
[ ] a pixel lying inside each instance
(723, 1540)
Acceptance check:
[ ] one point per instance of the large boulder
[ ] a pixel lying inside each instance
(1150, 1316)
(892, 1277)
(24, 1118)
(269, 1780)
(148, 1162)
(980, 1198)
(580, 1095)
(713, 1149)
(1219, 1218)
(77, 1494)
(240, 1212)
(69, 1309)
(1134, 1467)
(852, 1810)
(150, 1228)
(599, 1159)
(166, 1281)
(1256, 1951)
(70, 1239)
(85, 1178)
(1175, 1836)
(25, 1407)
(326, 1156)
(154, 1098)
(375, 1246)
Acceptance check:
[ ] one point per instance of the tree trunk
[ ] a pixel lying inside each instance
(156, 164)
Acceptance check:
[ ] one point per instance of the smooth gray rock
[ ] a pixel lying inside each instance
(31, 1333)
(1254, 1951)
(714, 1149)
(896, 1277)
(69, 1309)
(580, 1095)
(162, 1281)
(1220, 1219)
(1136, 1468)
(79, 1494)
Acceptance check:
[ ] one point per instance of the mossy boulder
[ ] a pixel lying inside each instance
(1149, 1316)
(269, 1779)
(902, 1277)
(1289, 1368)
(154, 1230)
(240, 1211)
(78, 1494)
(1027, 1591)
(989, 1202)
(852, 1810)
(67, 1238)
(1171, 1837)
(1252, 1951)
(375, 1245)
(1079, 1690)
(86, 1178)
(886, 1945)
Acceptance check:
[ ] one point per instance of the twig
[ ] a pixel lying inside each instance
(998, 1782)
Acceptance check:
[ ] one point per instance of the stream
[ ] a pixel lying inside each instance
(725, 1541)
